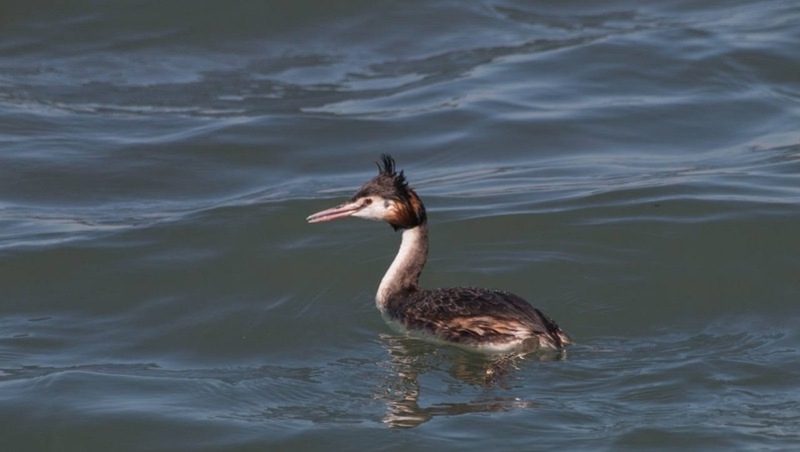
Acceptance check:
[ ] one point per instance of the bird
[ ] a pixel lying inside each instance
(479, 319)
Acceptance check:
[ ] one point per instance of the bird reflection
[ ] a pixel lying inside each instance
(410, 358)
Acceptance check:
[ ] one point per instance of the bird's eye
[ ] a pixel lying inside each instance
(368, 201)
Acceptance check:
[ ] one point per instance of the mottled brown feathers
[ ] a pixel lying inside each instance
(475, 317)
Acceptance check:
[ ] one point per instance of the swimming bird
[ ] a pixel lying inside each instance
(483, 319)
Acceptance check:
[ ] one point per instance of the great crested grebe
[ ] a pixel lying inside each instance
(488, 320)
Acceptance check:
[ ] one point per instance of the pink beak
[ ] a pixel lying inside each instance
(340, 211)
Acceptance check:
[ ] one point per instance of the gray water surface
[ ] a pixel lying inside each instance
(632, 169)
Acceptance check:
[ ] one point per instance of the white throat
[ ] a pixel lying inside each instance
(404, 272)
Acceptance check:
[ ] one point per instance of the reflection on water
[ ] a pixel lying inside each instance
(410, 358)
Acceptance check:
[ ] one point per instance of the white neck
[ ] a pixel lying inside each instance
(404, 272)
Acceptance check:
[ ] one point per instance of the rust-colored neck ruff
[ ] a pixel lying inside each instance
(403, 274)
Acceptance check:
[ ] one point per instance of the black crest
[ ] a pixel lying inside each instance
(386, 165)
(386, 168)
(387, 184)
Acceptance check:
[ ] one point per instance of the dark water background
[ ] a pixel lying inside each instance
(631, 168)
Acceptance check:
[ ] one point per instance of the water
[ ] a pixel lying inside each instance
(632, 169)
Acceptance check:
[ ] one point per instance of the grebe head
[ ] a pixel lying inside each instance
(386, 197)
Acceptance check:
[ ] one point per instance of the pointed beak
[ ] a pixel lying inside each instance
(334, 213)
